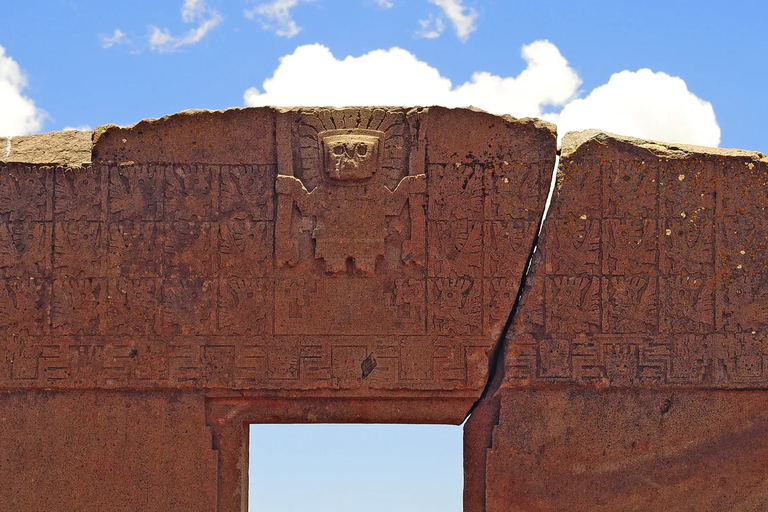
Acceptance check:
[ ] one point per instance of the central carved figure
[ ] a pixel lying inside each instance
(351, 206)
(351, 155)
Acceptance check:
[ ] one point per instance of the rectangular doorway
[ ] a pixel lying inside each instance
(325, 467)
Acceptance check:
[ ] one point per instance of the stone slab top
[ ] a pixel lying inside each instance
(587, 140)
(71, 148)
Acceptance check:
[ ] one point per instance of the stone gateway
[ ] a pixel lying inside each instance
(164, 285)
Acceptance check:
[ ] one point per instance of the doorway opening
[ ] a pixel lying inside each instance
(326, 467)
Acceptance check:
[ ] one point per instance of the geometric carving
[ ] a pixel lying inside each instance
(340, 259)
(655, 278)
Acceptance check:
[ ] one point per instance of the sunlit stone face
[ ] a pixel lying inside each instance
(351, 156)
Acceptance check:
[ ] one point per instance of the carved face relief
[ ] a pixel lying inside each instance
(351, 155)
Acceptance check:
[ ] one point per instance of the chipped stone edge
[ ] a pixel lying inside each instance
(68, 148)
(99, 131)
(573, 142)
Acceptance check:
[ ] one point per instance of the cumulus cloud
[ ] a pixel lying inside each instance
(643, 104)
(193, 11)
(640, 104)
(117, 37)
(19, 116)
(463, 19)
(397, 77)
(276, 15)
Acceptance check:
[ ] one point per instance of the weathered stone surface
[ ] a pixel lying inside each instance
(68, 148)
(622, 450)
(209, 270)
(353, 263)
(307, 264)
(644, 314)
(650, 270)
(224, 137)
(98, 451)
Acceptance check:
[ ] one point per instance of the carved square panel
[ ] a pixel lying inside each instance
(134, 306)
(136, 192)
(283, 358)
(742, 243)
(572, 305)
(630, 304)
(191, 193)
(512, 190)
(687, 190)
(135, 249)
(81, 194)
(185, 361)
(189, 306)
(505, 243)
(499, 298)
(245, 306)
(455, 191)
(218, 368)
(743, 186)
(456, 306)
(630, 189)
(247, 192)
(687, 304)
(246, 248)
(26, 192)
(456, 248)
(80, 249)
(743, 302)
(79, 306)
(190, 249)
(416, 359)
(26, 248)
(578, 192)
(687, 247)
(630, 246)
(25, 306)
(573, 247)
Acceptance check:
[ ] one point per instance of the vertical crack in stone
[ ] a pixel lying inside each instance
(496, 364)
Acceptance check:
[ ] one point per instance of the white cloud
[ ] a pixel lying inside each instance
(397, 77)
(431, 28)
(640, 104)
(276, 15)
(117, 37)
(192, 11)
(462, 17)
(19, 116)
(386, 4)
(643, 104)
(81, 128)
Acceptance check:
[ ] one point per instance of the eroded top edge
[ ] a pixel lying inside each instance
(70, 148)
(576, 142)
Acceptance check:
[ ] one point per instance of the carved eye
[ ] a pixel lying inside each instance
(362, 149)
(338, 150)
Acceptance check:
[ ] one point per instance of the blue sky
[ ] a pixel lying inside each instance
(207, 54)
(676, 70)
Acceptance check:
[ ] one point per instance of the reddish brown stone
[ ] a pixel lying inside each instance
(311, 264)
(649, 271)
(648, 283)
(630, 450)
(214, 269)
(96, 450)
